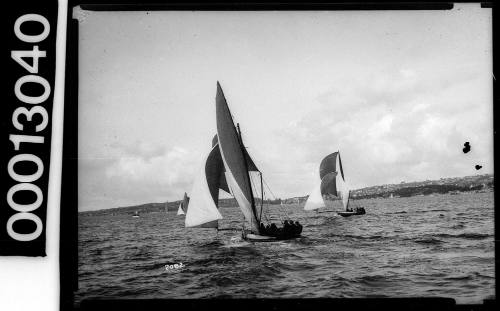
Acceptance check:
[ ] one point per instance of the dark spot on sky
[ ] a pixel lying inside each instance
(478, 167)
(466, 147)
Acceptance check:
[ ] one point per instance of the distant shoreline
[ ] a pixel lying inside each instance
(453, 185)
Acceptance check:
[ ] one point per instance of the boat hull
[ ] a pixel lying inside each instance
(347, 214)
(258, 238)
(266, 238)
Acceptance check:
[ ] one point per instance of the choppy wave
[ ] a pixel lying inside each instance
(466, 235)
(398, 248)
(428, 240)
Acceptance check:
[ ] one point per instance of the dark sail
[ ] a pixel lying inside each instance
(222, 179)
(214, 170)
(234, 157)
(328, 165)
(251, 164)
(328, 184)
(185, 202)
(203, 206)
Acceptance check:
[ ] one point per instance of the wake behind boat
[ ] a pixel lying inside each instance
(332, 185)
(228, 167)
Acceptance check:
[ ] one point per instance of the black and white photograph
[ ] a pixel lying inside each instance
(285, 154)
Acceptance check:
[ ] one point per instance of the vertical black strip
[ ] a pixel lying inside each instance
(26, 117)
(68, 256)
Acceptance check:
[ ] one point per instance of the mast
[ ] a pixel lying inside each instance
(247, 174)
(348, 197)
(262, 197)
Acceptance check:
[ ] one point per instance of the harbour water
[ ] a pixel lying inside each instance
(439, 245)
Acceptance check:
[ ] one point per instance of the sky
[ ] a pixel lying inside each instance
(396, 92)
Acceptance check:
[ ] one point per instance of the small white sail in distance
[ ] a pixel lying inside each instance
(344, 194)
(315, 199)
(180, 211)
(202, 208)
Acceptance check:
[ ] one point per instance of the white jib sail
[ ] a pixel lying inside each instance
(202, 208)
(180, 211)
(344, 194)
(315, 199)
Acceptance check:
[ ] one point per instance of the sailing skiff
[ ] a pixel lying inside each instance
(183, 205)
(332, 184)
(228, 167)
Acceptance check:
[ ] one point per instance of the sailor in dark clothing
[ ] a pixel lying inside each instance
(286, 227)
(273, 230)
(299, 227)
(262, 228)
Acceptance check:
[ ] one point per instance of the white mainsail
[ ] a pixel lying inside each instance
(202, 208)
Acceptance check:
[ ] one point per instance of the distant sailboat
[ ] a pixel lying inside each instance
(332, 183)
(179, 210)
(183, 205)
(227, 167)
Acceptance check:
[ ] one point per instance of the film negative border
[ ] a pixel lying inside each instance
(69, 218)
(30, 33)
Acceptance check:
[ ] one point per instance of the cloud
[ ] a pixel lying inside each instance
(139, 175)
(397, 125)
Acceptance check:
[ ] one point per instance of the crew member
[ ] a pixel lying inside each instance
(274, 229)
(299, 227)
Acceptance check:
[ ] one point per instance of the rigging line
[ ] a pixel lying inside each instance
(265, 211)
(254, 189)
(262, 198)
(252, 183)
(280, 213)
(269, 188)
(280, 209)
